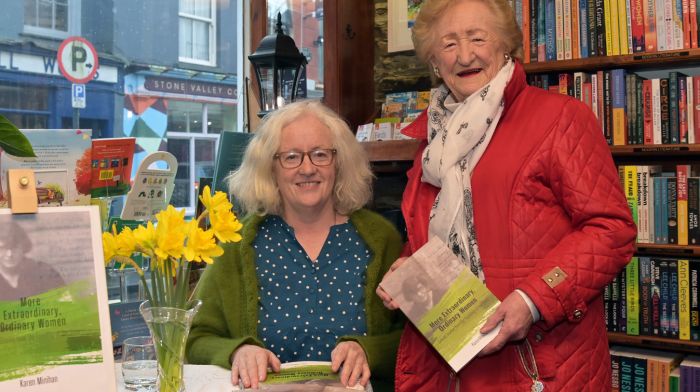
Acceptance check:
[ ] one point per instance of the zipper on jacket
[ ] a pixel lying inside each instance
(453, 376)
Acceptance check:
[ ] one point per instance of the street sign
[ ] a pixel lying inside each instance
(77, 60)
(78, 96)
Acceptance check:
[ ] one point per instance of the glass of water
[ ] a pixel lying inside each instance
(139, 366)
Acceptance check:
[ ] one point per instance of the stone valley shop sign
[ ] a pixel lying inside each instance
(189, 87)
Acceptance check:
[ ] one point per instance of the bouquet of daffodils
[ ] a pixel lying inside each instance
(172, 245)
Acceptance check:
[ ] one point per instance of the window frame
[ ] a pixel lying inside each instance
(74, 27)
(212, 35)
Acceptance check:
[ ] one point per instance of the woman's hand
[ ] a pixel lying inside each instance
(517, 319)
(250, 364)
(352, 357)
(383, 295)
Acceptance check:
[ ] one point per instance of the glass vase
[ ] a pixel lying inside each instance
(169, 328)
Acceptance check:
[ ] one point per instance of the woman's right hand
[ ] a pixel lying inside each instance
(249, 363)
(385, 297)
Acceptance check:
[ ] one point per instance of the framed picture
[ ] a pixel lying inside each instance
(399, 34)
(55, 331)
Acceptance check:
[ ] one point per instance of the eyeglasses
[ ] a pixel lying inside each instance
(294, 159)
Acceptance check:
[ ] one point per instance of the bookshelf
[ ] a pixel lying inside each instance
(391, 150)
(666, 155)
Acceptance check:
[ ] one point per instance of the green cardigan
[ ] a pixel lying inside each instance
(228, 289)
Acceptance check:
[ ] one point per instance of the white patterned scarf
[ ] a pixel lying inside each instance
(456, 141)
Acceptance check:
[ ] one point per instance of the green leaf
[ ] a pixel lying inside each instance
(12, 141)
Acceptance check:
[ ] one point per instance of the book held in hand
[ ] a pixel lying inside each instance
(445, 301)
(304, 376)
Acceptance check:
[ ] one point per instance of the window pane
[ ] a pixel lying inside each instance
(30, 12)
(184, 116)
(45, 17)
(187, 6)
(34, 98)
(204, 151)
(201, 41)
(61, 16)
(203, 8)
(186, 37)
(181, 193)
(221, 118)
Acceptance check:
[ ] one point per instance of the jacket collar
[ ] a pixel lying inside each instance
(418, 129)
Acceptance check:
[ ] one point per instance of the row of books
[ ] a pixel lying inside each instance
(655, 296)
(573, 29)
(637, 369)
(632, 109)
(388, 128)
(665, 205)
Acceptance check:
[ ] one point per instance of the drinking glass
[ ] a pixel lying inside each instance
(139, 366)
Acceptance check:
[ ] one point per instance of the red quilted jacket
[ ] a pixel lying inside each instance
(546, 195)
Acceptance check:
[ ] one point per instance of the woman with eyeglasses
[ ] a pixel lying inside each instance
(300, 285)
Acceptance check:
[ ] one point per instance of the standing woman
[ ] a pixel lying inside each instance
(520, 184)
(300, 284)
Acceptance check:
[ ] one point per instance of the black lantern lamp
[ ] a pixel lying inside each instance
(278, 66)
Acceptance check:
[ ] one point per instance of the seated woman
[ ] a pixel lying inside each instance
(300, 285)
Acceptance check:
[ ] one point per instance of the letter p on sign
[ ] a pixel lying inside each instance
(77, 60)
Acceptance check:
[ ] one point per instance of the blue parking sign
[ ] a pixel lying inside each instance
(78, 96)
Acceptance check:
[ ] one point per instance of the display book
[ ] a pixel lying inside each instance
(445, 301)
(305, 376)
(646, 155)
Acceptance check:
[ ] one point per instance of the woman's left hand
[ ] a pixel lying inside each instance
(352, 357)
(517, 319)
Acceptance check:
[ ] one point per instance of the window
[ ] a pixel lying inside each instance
(52, 18)
(193, 136)
(197, 31)
(25, 107)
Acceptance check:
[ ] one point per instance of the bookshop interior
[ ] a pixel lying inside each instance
(143, 145)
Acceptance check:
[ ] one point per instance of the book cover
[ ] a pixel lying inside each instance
(125, 321)
(111, 166)
(363, 134)
(232, 147)
(55, 332)
(61, 167)
(445, 301)
(303, 376)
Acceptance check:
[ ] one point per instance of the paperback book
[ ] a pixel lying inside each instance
(445, 301)
(306, 376)
(111, 166)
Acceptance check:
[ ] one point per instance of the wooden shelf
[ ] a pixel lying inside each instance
(656, 342)
(391, 150)
(658, 60)
(672, 150)
(668, 250)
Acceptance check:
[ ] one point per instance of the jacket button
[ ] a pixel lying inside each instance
(538, 337)
(578, 314)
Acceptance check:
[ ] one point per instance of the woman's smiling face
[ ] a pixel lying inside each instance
(468, 52)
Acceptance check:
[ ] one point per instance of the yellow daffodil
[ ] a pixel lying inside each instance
(109, 246)
(170, 243)
(201, 245)
(225, 226)
(218, 202)
(126, 242)
(146, 239)
(170, 220)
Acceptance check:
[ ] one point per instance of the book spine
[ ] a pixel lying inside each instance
(632, 279)
(592, 36)
(657, 206)
(682, 109)
(525, 26)
(672, 195)
(639, 374)
(607, 306)
(664, 96)
(559, 31)
(566, 20)
(683, 300)
(615, 371)
(652, 213)
(631, 190)
(694, 271)
(673, 301)
(693, 24)
(583, 28)
(575, 37)
(615, 304)
(695, 111)
(677, 23)
(645, 296)
(610, 43)
(594, 95)
(661, 25)
(685, 6)
(643, 204)
(665, 311)
(550, 30)
(637, 14)
(630, 108)
(622, 307)
(626, 373)
(618, 107)
(616, 35)
(669, 10)
(674, 132)
(541, 30)
(656, 110)
(625, 26)
(533, 30)
(690, 118)
(655, 303)
(650, 25)
(682, 172)
(639, 85)
(600, 26)
(607, 105)
(693, 210)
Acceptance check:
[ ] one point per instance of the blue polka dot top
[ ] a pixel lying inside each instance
(305, 306)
